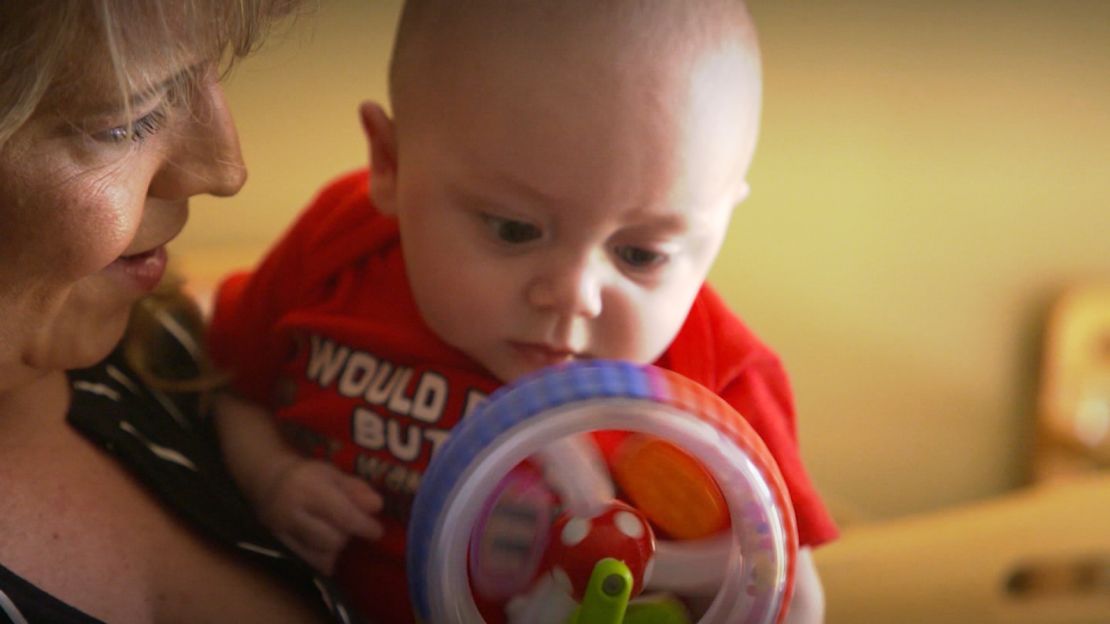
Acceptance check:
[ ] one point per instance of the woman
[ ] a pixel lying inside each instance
(112, 508)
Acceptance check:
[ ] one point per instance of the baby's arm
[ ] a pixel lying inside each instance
(309, 504)
(808, 604)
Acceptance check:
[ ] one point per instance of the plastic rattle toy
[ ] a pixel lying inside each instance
(602, 493)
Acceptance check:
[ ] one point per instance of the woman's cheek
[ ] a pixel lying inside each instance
(101, 224)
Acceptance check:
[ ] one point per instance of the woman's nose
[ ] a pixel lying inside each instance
(570, 289)
(204, 156)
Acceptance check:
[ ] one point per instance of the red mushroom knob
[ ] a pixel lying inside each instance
(577, 544)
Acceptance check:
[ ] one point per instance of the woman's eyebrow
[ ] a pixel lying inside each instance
(142, 95)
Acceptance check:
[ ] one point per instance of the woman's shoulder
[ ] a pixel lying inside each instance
(62, 509)
(89, 539)
(76, 528)
(23, 602)
(151, 434)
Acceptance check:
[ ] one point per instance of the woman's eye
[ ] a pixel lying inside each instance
(137, 130)
(512, 232)
(640, 258)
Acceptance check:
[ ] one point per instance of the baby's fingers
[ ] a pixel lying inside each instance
(316, 541)
(360, 493)
(321, 561)
(334, 506)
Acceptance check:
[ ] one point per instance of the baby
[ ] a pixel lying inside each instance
(554, 184)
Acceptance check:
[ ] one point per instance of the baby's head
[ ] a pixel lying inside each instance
(564, 171)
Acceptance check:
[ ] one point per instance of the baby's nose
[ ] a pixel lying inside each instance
(569, 290)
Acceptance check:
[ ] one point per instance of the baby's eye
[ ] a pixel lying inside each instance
(640, 258)
(512, 232)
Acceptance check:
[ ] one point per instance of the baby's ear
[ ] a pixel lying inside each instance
(381, 138)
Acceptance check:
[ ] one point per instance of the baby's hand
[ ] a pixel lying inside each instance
(314, 509)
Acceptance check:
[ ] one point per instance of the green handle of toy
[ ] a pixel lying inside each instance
(607, 594)
(662, 610)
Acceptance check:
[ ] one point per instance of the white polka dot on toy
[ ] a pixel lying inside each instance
(562, 579)
(575, 531)
(628, 524)
(648, 570)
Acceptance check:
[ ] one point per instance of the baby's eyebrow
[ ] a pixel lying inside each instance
(498, 192)
(471, 199)
(520, 189)
(670, 223)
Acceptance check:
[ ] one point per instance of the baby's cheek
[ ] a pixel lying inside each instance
(621, 334)
(652, 324)
(455, 300)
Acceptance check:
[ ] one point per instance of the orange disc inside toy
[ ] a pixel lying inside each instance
(670, 487)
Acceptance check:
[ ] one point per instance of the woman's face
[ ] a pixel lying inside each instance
(91, 192)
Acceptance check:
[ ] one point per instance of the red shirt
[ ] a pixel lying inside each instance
(326, 333)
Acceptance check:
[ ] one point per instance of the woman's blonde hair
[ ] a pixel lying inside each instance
(44, 43)
(164, 344)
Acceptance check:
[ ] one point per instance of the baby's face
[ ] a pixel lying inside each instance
(553, 217)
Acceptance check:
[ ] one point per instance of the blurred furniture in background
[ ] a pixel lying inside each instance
(1073, 434)
(1040, 555)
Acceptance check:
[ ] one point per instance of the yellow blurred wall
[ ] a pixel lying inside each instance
(929, 175)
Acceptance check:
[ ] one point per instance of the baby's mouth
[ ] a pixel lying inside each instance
(544, 354)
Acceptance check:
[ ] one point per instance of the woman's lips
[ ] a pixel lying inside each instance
(144, 270)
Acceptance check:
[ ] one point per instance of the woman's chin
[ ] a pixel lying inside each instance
(80, 338)
(85, 351)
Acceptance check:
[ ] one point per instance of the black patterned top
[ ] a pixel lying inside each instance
(175, 454)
